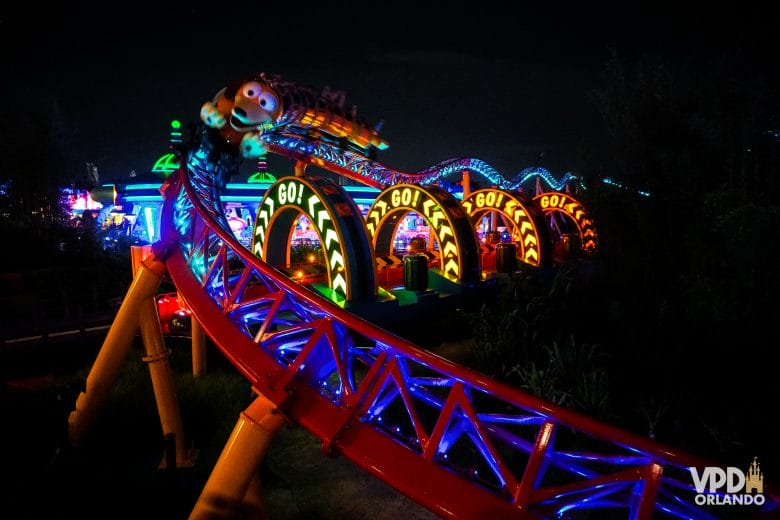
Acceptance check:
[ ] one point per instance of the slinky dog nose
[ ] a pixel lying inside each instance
(240, 112)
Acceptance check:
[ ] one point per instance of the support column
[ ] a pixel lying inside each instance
(162, 379)
(114, 350)
(232, 490)
(300, 168)
(198, 347)
(198, 339)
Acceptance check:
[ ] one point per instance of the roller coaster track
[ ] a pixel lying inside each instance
(453, 440)
(295, 143)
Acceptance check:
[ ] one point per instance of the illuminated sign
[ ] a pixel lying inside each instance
(524, 218)
(166, 164)
(338, 223)
(561, 202)
(454, 232)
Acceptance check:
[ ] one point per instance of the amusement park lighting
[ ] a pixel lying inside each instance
(144, 186)
(612, 182)
(144, 198)
(250, 186)
(148, 213)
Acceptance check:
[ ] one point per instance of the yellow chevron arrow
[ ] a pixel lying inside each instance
(518, 214)
(451, 267)
(444, 231)
(509, 207)
(525, 226)
(370, 227)
(466, 204)
(531, 253)
(437, 216)
(529, 239)
(578, 214)
(382, 205)
(570, 207)
(427, 205)
(449, 250)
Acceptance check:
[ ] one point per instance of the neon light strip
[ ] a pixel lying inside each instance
(225, 197)
(362, 189)
(149, 216)
(247, 186)
(135, 187)
(612, 182)
(145, 198)
(241, 198)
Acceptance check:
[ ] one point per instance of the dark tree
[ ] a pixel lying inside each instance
(693, 267)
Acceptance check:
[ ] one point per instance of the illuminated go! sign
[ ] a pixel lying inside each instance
(569, 206)
(532, 236)
(457, 242)
(338, 223)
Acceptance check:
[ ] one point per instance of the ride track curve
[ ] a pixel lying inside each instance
(451, 439)
(295, 143)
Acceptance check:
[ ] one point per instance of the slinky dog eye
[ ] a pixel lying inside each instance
(268, 101)
(252, 90)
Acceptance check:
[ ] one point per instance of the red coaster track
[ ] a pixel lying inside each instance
(455, 441)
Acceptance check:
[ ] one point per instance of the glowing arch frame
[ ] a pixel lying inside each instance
(458, 244)
(554, 201)
(351, 270)
(524, 215)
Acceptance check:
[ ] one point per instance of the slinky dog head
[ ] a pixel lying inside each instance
(255, 105)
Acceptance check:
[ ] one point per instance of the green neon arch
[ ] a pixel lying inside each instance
(338, 222)
(261, 178)
(458, 245)
(166, 164)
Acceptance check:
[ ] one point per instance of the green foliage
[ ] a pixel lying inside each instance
(523, 341)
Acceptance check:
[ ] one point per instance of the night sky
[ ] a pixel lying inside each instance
(448, 79)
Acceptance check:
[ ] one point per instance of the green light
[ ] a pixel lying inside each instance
(175, 123)
(261, 177)
(166, 164)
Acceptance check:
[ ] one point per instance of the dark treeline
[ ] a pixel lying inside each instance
(669, 329)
